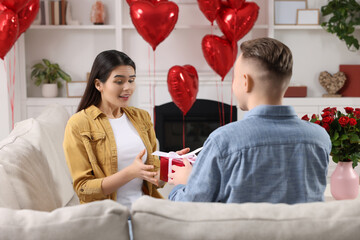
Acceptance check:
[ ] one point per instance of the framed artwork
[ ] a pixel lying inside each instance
(285, 11)
(308, 17)
(75, 89)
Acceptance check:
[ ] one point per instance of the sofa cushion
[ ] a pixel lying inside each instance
(163, 219)
(97, 220)
(8, 197)
(33, 160)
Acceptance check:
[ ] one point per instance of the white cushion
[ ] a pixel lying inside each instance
(33, 160)
(163, 219)
(8, 197)
(97, 220)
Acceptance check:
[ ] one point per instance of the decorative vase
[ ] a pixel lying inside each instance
(49, 90)
(344, 182)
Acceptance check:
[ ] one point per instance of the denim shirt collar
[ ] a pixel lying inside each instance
(271, 110)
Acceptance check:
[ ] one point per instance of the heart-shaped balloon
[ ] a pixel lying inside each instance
(236, 23)
(183, 85)
(235, 4)
(152, 1)
(219, 53)
(209, 8)
(154, 22)
(9, 28)
(14, 5)
(27, 15)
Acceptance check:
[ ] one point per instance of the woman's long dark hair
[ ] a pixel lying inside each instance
(103, 65)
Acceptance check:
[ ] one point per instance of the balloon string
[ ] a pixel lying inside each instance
(222, 102)
(150, 87)
(154, 85)
(232, 82)
(218, 101)
(12, 101)
(183, 130)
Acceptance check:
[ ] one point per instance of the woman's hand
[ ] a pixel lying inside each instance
(143, 171)
(183, 151)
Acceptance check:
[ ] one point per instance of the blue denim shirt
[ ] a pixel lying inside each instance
(269, 156)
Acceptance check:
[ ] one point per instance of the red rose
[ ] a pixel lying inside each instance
(333, 110)
(326, 126)
(327, 113)
(357, 109)
(314, 116)
(326, 109)
(318, 122)
(357, 113)
(352, 122)
(343, 121)
(305, 117)
(349, 110)
(328, 120)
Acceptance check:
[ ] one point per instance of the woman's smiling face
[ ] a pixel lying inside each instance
(119, 86)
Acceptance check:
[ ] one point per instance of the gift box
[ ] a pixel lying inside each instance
(167, 160)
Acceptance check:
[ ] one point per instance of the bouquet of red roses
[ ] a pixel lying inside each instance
(344, 131)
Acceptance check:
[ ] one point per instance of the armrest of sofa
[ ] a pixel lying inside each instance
(97, 220)
(164, 219)
(8, 197)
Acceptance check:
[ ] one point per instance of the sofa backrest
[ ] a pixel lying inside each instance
(105, 220)
(163, 219)
(32, 163)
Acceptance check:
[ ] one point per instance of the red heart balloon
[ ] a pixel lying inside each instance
(153, 1)
(27, 15)
(9, 28)
(219, 53)
(15, 5)
(154, 22)
(236, 23)
(209, 8)
(235, 4)
(183, 85)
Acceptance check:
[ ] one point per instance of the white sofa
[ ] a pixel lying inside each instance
(37, 201)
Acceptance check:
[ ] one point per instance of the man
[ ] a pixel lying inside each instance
(268, 156)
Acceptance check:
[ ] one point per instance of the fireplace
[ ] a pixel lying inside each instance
(200, 121)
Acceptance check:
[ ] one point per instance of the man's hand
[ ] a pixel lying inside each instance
(181, 174)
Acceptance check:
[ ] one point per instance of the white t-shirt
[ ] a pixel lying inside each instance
(129, 145)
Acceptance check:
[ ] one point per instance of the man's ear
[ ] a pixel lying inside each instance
(98, 85)
(249, 83)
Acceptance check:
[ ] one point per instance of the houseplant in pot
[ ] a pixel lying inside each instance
(344, 17)
(48, 74)
(344, 132)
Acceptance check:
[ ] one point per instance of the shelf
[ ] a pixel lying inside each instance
(73, 27)
(297, 27)
(216, 27)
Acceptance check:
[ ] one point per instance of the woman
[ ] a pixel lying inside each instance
(107, 144)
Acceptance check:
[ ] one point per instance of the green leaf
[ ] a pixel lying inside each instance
(64, 75)
(354, 138)
(59, 84)
(336, 136)
(335, 158)
(336, 143)
(38, 66)
(343, 137)
(47, 62)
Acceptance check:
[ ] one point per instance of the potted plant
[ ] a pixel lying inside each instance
(48, 74)
(344, 132)
(345, 16)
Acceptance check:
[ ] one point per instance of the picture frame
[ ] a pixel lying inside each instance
(308, 17)
(75, 89)
(285, 11)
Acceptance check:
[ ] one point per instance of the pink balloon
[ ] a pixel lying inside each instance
(9, 28)
(154, 22)
(236, 23)
(219, 53)
(183, 85)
